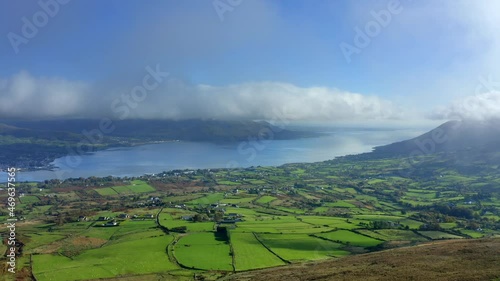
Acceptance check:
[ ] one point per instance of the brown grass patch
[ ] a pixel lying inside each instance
(443, 260)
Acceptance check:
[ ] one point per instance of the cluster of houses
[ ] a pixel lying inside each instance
(151, 202)
(231, 218)
(110, 221)
(227, 218)
(222, 205)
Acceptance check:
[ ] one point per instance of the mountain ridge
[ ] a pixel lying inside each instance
(455, 135)
(187, 130)
(34, 144)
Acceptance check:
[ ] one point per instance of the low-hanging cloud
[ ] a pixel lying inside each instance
(26, 96)
(482, 106)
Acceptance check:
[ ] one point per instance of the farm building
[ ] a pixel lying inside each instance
(111, 223)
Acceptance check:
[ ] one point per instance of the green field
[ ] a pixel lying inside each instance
(472, 233)
(277, 215)
(257, 181)
(399, 235)
(203, 251)
(340, 204)
(439, 235)
(106, 191)
(122, 189)
(297, 247)
(351, 238)
(413, 224)
(210, 198)
(332, 222)
(321, 209)
(278, 225)
(265, 199)
(229, 183)
(291, 210)
(448, 225)
(136, 186)
(191, 226)
(250, 254)
(28, 199)
(42, 238)
(126, 258)
(237, 200)
(141, 186)
(169, 221)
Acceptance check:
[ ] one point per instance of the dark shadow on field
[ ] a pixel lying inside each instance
(221, 235)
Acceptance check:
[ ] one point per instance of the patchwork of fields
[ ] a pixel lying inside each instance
(209, 224)
(259, 240)
(136, 186)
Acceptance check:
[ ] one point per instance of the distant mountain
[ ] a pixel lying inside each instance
(452, 136)
(34, 144)
(187, 130)
(13, 131)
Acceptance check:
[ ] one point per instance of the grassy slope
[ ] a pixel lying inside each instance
(443, 260)
(203, 251)
(133, 257)
(249, 253)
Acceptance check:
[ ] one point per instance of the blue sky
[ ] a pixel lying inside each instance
(425, 62)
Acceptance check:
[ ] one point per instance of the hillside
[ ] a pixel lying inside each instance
(451, 136)
(187, 130)
(30, 144)
(209, 224)
(445, 260)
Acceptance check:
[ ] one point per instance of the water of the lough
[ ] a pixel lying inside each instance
(155, 158)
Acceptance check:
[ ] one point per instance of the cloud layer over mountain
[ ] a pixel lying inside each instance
(25, 96)
(478, 107)
(249, 63)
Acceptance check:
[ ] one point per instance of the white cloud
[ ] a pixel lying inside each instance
(441, 47)
(478, 107)
(23, 95)
(265, 100)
